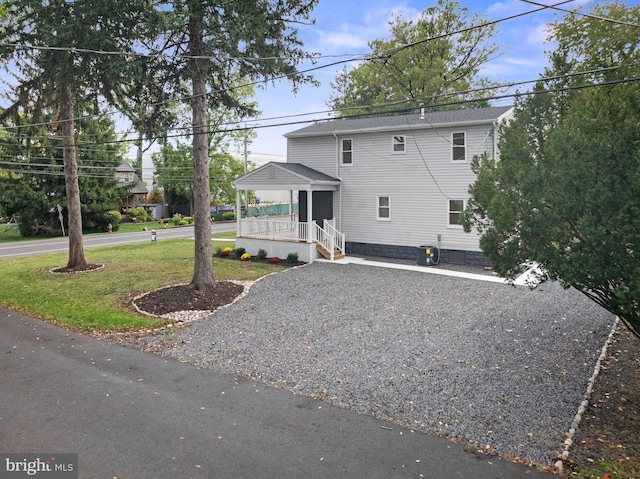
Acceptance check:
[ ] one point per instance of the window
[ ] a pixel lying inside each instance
(456, 207)
(127, 177)
(384, 208)
(459, 147)
(399, 144)
(347, 152)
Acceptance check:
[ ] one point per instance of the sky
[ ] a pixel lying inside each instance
(345, 27)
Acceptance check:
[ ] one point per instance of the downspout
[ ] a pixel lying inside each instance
(495, 140)
(339, 225)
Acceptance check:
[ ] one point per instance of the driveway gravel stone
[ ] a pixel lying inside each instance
(501, 368)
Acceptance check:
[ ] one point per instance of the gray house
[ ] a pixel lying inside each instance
(376, 186)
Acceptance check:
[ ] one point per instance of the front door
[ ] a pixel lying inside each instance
(321, 209)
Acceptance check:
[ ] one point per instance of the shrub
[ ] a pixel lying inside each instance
(245, 257)
(219, 251)
(228, 249)
(183, 222)
(240, 251)
(175, 221)
(292, 257)
(188, 219)
(224, 253)
(139, 214)
(262, 254)
(228, 215)
(274, 259)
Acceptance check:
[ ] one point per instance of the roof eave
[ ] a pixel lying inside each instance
(408, 126)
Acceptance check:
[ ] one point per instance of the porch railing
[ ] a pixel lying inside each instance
(274, 229)
(329, 237)
(286, 230)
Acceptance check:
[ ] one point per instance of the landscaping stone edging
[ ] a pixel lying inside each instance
(568, 442)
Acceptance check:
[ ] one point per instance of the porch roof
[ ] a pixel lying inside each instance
(286, 176)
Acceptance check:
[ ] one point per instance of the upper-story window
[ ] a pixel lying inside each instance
(347, 151)
(399, 144)
(459, 147)
(128, 177)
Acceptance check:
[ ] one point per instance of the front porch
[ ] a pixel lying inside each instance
(279, 236)
(310, 235)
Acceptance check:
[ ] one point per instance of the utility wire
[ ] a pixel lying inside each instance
(510, 95)
(385, 54)
(370, 106)
(587, 15)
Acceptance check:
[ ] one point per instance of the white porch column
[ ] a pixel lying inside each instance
(291, 205)
(238, 214)
(310, 229)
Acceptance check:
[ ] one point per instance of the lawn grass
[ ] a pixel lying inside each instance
(9, 235)
(100, 300)
(136, 227)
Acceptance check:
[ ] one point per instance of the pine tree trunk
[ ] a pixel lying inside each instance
(76, 249)
(203, 262)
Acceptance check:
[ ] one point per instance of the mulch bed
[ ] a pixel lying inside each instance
(187, 298)
(77, 269)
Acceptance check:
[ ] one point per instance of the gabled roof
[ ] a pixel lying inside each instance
(467, 116)
(303, 171)
(283, 176)
(125, 167)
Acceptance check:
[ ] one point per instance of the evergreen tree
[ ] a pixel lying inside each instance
(56, 47)
(565, 192)
(34, 183)
(213, 45)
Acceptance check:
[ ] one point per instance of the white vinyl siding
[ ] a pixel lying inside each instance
(419, 203)
(318, 153)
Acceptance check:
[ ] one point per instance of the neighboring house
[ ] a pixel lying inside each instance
(133, 192)
(385, 185)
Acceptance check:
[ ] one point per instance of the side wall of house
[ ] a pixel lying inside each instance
(419, 183)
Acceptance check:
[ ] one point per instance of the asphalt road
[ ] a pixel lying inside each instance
(130, 414)
(51, 245)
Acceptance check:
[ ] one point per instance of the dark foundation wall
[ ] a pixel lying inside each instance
(409, 253)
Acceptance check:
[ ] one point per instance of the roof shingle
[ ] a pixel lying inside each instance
(430, 120)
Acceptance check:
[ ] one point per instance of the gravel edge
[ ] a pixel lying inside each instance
(564, 455)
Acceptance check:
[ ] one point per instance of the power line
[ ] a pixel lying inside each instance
(587, 15)
(372, 106)
(439, 105)
(363, 57)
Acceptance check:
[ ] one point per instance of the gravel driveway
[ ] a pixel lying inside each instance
(501, 367)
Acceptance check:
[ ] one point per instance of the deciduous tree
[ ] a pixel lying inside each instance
(440, 53)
